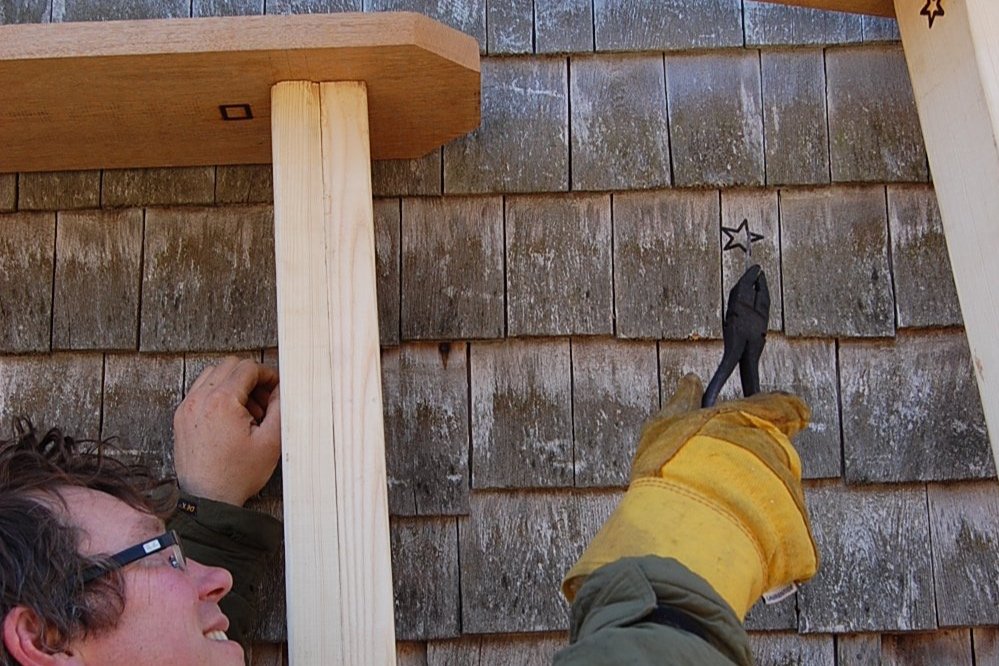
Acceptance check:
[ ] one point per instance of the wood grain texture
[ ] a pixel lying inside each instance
(562, 26)
(876, 572)
(769, 24)
(783, 649)
(925, 294)
(874, 132)
(760, 210)
(649, 25)
(876, 7)
(388, 257)
(858, 650)
(285, 7)
(794, 117)
(536, 649)
(159, 187)
(338, 567)
(558, 265)
(452, 268)
(423, 81)
(416, 177)
(782, 616)
(8, 192)
(615, 390)
(59, 190)
(667, 264)
(911, 411)
(501, 155)
(426, 428)
(986, 644)
(111, 10)
(244, 184)
(410, 654)
(201, 8)
(57, 390)
(24, 11)
(964, 521)
(425, 569)
(715, 118)
(141, 393)
(97, 279)
(930, 649)
(510, 27)
(880, 29)
(468, 17)
(208, 260)
(521, 414)
(27, 246)
(620, 134)
(834, 256)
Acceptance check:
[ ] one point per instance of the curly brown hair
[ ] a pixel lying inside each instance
(40, 564)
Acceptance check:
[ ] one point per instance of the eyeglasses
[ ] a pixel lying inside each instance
(166, 541)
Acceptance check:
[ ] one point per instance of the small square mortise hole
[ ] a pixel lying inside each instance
(236, 111)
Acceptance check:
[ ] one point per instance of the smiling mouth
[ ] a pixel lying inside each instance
(216, 635)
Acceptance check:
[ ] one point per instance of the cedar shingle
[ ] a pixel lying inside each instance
(271, 620)
(410, 654)
(527, 650)
(986, 641)
(615, 390)
(159, 187)
(24, 11)
(834, 256)
(774, 617)
(388, 232)
(780, 25)
(468, 16)
(874, 131)
(59, 190)
(715, 118)
(522, 144)
(620, 138)
(244, 183)
(394, 178)
(911, 410)
(951, 647)
(858, 650)
(521, 414)
(925, 294)
(510, 26)
(784, 649)
(312, 6)
(667, 263)
(426, 429)
(425, 576)
(115, 10)
(652, 25)
(97, 277)
(53, 391)
(879, 29)
(27, 244)
(268, 654)
(8, 191)
(208, 281)
(563, 26)
(141, 393)
(558, 265)
(876, 573)
(964, 519)
(759, 209)
(452, 268)
(794, 115)
(227, 8)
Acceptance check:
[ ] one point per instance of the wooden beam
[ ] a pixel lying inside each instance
(954, 67)
(874, 7)
(338, 562)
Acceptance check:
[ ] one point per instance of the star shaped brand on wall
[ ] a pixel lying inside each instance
(932, 9)
(737, 238)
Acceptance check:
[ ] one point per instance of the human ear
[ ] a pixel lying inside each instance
(22, 638)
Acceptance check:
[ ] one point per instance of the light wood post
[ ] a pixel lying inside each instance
(338, 562)
(954, 67)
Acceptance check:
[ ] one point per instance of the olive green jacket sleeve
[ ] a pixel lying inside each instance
(611, 619)
(237, 539)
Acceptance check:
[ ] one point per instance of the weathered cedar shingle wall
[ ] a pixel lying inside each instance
(543, 283)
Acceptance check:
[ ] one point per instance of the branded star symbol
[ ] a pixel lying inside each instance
(740, 237)
(932, 9)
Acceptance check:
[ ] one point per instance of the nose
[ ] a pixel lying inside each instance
(213, 582)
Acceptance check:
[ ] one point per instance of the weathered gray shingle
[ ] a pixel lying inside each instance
(858, 649)
(536, 649)
(964, 520)
(760, 211)
(911, 410)
(615, 390)
(924, 280)
(226, 7)
(784, 649)
(426, 428)
(834, 247)
(244, 183)
(388, 251)
(782, 616)
(620, 138)
(115, 10)
(27, 245)
(24, 11)
(667, 264)
(394, 178)
(794, 116)
(715, 118)
(874, 130)
(876, 573)
(59, 190)
(8, 191)
(468, 16)
(452, 268)
(767, 24)
(522, 144)
(510, 26)
(563, 26)
(53, 391)
(158, 187)
(312, 6)
(941, 647)
(208, 279)
(425, 576)
(521, 414)
(558, 265)
(652, 25)
(878, 29)
(97, 277)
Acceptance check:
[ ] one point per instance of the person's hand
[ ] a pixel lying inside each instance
(227, 431)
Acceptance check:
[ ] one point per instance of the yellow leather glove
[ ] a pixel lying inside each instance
(719, 490)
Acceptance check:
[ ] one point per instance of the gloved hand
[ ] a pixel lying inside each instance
(719, 490)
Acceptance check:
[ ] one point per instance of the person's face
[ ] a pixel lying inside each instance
(171, 616)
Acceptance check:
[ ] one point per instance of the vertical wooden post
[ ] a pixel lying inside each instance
(338, 563)
(954, 67)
